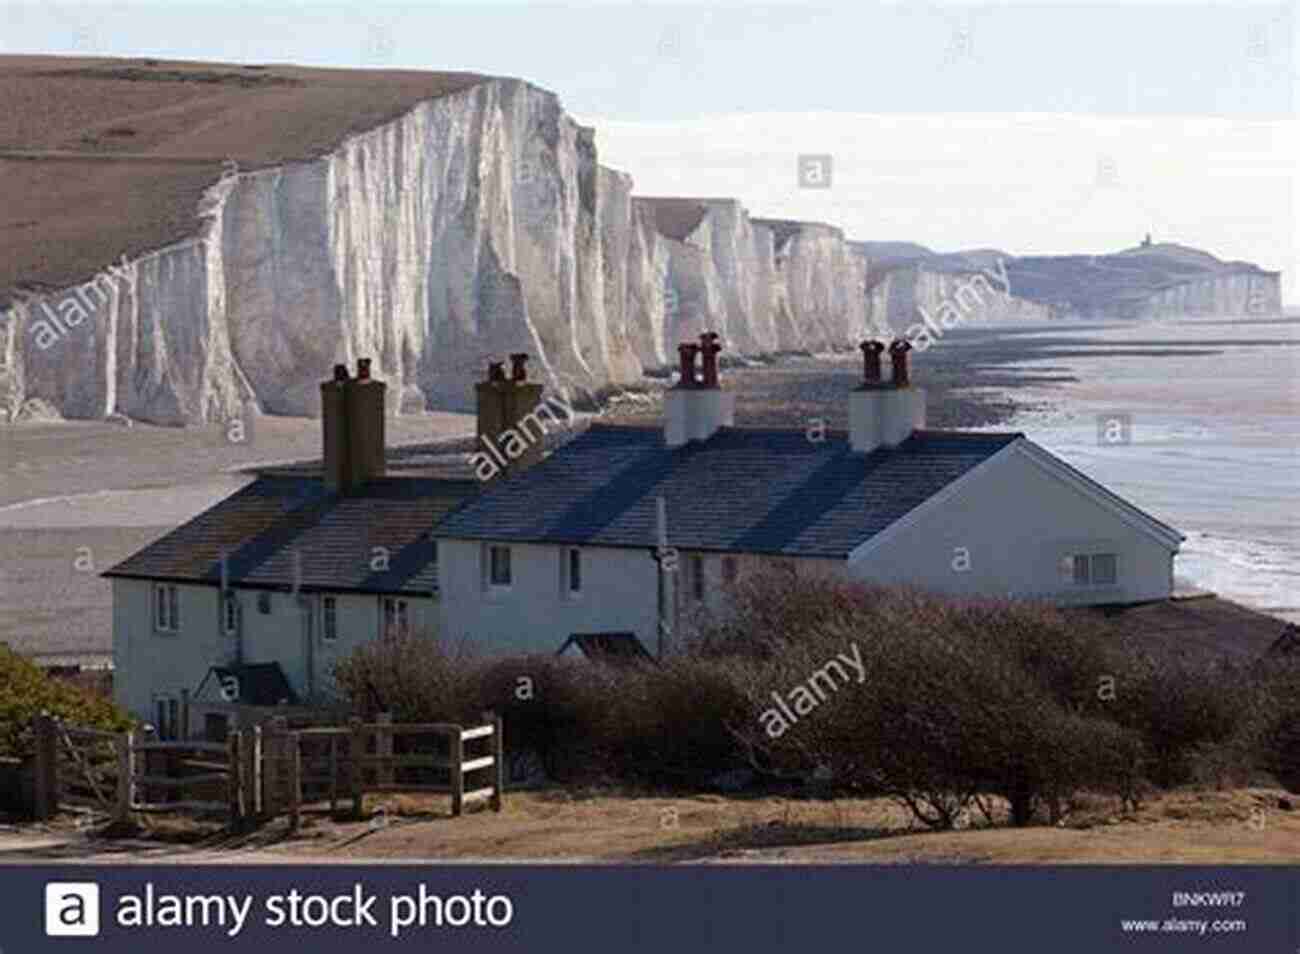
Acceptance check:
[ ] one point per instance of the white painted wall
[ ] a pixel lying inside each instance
(534, 614)
(620, 594)
(148, 662)
(1016, 522)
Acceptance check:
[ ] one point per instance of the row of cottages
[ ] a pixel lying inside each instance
(248, 606)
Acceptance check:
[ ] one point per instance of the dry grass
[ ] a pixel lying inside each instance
(104, 157)
(1244, 826)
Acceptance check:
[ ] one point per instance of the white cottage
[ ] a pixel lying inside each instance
(248, 606)
(293, 571)
(569, 546)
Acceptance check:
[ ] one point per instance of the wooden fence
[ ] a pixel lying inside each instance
(266, 770)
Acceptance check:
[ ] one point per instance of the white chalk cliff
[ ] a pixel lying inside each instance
(473, 225)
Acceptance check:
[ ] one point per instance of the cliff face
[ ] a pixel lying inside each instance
(1238, 293)
(473, 225)
(900, 297)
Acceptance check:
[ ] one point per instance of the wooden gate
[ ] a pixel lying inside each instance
(186, 775)
(87, 766)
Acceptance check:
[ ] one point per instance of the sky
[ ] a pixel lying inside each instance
(1051, 128)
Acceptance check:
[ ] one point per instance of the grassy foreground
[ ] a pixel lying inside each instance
(1242, 826)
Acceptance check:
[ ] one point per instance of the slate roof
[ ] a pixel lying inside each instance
(262, 526)
(613, 648)
(748, 490)
(260, 684)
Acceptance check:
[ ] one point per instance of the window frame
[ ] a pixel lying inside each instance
(394, 617)
(166, 609)
(231, 613)
(1113, 575)
(1081, 569)
(571, 572)
(329, 619)
(697, 577)
(493, 549)
(167, 716)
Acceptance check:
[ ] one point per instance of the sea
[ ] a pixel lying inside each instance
(1196, 421)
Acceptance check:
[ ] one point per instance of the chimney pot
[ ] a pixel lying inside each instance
(687, 351)
(898, 357)
(871, 361)
(518, 367)
(709, 348)
(340, 372)
(363, 369)
(496, 371)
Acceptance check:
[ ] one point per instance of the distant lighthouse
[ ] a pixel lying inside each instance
(1146, 241)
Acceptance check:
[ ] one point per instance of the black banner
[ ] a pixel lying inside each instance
(621, 909)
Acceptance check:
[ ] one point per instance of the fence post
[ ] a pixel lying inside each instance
(145, 763)
(250, 747)
(498, 760)
(295, 779)
(357, 754)
(47, 767)
(384, 748)
(334, 773)
(125, 770)
(235, 780)
(274, 752)
(457, 769)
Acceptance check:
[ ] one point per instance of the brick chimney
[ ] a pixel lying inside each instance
(884, 413)
(697, 406)
(509, 428)
(352, 428)
(871, 362)
(898, 357)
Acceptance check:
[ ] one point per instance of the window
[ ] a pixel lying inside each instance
(1104, 569)
(396, 621)
(167, 616)
(728, 569)
(573, 571)
(329, 619)
(499, 566)
(697, 576)
(1091, 569)
(167, 717)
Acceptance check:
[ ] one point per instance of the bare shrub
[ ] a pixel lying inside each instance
(416, 678)
(1181, 708)
(671, 722)
(559, 708)
(1279, 721)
